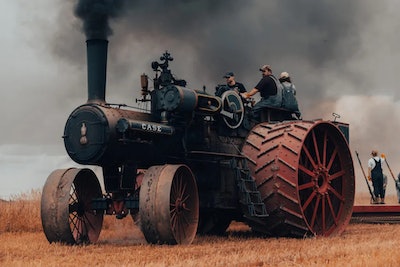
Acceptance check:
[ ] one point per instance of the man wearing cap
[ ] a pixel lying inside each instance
(270, 90)
(376, 175)
(231, 84)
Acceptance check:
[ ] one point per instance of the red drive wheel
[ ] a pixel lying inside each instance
(304, 172)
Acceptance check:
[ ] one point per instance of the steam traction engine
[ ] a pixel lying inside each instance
(195, 163)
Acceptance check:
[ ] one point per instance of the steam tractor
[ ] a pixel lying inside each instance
(194, 162)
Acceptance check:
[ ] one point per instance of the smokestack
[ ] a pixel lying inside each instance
(96, 69)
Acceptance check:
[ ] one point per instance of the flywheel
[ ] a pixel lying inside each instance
(304, 172)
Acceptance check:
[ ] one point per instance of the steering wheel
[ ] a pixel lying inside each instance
(232, 109)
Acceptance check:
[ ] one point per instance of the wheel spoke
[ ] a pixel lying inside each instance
(340, 197)
(306, 171)
(180, 226)
(314, 138)
(73, 196)
(332, 210)
(182, 192)
(325, 143)
(336, 175)
(306, 186)
(77, 229)
(308, 201)
(314, 215)
(73, 219)
(309, 157)
(332, 159)
(184, 199)
(174, 219)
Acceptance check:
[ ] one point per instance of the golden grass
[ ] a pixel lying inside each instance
(22, 243)
(21, 213)
(360, 245)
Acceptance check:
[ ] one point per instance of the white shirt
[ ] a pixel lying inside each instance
(371, 162)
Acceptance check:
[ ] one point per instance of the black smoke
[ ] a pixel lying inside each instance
(96, 14)
(321, 44)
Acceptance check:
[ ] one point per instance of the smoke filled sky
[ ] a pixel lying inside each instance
(342, 55)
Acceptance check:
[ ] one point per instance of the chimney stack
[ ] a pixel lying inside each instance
(96, 69)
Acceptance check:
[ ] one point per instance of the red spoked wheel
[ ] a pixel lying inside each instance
(66, 212)
(169, 205)
(304, 172)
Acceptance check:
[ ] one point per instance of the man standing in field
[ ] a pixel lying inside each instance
(376, 175)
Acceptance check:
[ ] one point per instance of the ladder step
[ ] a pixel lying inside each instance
(250, 197)
(248, 185)
(257, 210)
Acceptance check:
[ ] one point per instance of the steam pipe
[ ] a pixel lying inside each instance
(96, 69)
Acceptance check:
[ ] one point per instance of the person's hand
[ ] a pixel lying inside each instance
(245, 95)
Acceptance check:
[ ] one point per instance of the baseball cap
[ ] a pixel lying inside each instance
(284, 75)
(265, 67)
(229, 74)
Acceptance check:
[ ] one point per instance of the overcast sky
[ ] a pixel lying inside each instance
(342, 55)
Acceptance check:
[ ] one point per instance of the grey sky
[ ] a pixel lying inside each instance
(343, 57)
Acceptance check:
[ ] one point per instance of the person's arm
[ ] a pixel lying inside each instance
(369, 173)
(250, 94)
(370, 165)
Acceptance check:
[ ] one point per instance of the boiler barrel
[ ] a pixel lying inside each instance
(92, 136)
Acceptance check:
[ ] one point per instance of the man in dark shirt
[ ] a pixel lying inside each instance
(269, 88)
(231, 84)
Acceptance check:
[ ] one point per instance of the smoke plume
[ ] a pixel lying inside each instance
(96, 14)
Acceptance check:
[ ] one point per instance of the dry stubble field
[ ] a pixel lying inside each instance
(22, 243)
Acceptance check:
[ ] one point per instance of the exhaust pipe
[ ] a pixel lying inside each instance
(96, 50)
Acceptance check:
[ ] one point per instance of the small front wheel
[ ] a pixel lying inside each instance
(66, 211)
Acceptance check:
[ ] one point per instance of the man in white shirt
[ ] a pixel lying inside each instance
(375, 175)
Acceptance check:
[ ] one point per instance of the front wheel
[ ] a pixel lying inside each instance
(66, 211)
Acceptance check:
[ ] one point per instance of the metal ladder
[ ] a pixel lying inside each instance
(250, 197)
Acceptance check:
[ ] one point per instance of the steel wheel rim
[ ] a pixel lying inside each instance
(322, 180)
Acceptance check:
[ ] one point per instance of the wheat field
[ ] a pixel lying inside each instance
(22, 243)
